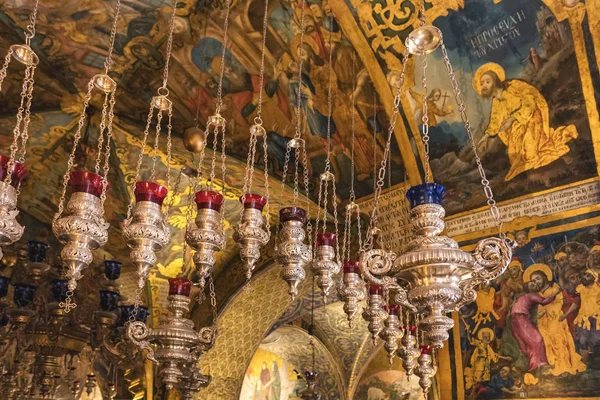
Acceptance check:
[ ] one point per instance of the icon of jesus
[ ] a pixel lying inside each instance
(520, 118)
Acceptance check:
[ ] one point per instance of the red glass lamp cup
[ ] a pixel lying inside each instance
(351, 267)
(326, 239)
(86, 182)
(425, 349)
(412, 329)
(150, 191)
(375, 289)
(18, 173)
(180, 286)
(209, 199)
(292, 214)
(252, 200)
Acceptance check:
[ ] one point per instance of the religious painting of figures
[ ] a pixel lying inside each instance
(534, 333)
(270, 377)
(516, 66)
(382, 381)
(282, 92)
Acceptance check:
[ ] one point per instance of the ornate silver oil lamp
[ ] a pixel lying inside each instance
(291, 253)
(146, 228)
(252, 233)
(409, 350)
(351, 290)
(207, 236)
(311, 392)
(392, 332)
(81, 227)
(173, 342)
(12, 171)
(374, 313)
(425, 370)
(10, 229)
(324, 263)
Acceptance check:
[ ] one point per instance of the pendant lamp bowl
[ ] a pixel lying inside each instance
(104, 83)
(24, 54)
(423, 40)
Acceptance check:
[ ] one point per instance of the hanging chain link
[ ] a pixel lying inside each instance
(213, 299)
(489, 194)
(425, 121)
(138, 165)
(219, 103)
(368, 243)
(223, 171)
(71, 161)
(306, 188)
(4, 69)
(298, 132)
(169, 46)
(266, 177)
(159, 116)
(174, 193)
(109, 131)
(108, 62)
(169, 144)
(31, 26)
(23, 117)
(101, 129)
(258, 119)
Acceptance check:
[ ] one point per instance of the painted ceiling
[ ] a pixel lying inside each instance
(543, 43)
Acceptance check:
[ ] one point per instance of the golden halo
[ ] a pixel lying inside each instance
(534, 268)
(307, 40)
(493, 67)
(517, 263)
(483, 330)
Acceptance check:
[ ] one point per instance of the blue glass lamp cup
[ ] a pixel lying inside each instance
(37, 250)
(60, 287)
(127, 310)
(23, 295)
(4, 282)
(426, 193)
(109, 300)
(112, 269)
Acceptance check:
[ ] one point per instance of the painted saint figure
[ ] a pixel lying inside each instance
(433, 110)
(525, 332)
(558, 341)
(520, 118)
(482, 358)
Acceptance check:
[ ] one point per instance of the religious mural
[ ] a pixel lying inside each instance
(382, 381)
(534, 332)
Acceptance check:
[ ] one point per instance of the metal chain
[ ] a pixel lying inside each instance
(101, 134)
(425, 120)
(137, 301)
(14, 147)
(335, 222)
(169, 145)
(249, 172)
(159, 116)
(31, 26)
(214, 155)
(298, 132)
(489, 194)
(306, 188)
(106, 168)
(223, 171)
(368, 243)
(213, 298)
(296, 172)
(4, 69)
(108, 62)
(329, 100)
(70, 162)
(258, 119)
(318, 219)
(138, 166)
(266, 177)
(169, 46)
(27, 118)
(219, 102)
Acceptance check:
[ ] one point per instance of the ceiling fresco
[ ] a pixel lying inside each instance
(541, 141)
